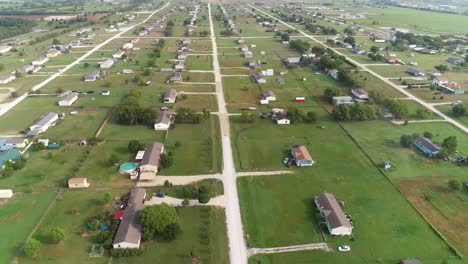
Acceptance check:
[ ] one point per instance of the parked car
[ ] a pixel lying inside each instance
(148, 83)
(285, 161)
(160, 194)
(344, 248)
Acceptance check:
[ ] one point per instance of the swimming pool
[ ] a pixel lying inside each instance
(128, 167)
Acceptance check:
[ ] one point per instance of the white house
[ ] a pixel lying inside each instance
(248, 54)
(180, 65)
(5, 49)
(118, 54)
(25, 69)
(360, 94)
(127, 46)
(164, 121)
(268, 72)
(269, 95)
(338, 100)
(7, 78)
(170, 96)
(43, 123)
(150, 161)
(6, 193)
(293, 60)
(106, 64)
(78, 183)
(335, 219)
(9, 143)
(40, 61)
(282, 119)
(68, 99)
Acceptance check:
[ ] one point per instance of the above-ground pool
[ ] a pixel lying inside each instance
(128, 167)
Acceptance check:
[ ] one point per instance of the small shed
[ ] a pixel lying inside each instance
(300, 99)
(53, 146)
(6, 193)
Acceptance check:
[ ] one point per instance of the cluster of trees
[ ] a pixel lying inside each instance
(10, 27)
(313, 28)
(375, 56)
(406, 141)
(169, 28)
(284, 36)
(32, 246)
(422, 40)
(297, 116)
(10, 167)
(129, 112)
(331, 61)
(187, 116)
(356, 111)
(160, 221)
(459, 110)
(126, 252)
(300, 45)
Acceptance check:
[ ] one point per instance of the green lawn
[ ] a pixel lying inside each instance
(81, 126)
(383, 219)
(18, 217)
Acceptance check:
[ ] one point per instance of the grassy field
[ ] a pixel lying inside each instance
(340, 169)
(18, 218)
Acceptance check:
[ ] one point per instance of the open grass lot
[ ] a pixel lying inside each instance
(413, 108)
(70, 212)
(214, 186)
(377, 208)
(22, 115)
(18, 217)
(390, 71)
(435, 96)
(199, 62)
(200, 150)
(204, 232)
(81, 126)
(447, 109)
(381, 140)
(115, 131)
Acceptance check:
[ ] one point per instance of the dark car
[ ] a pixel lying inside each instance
(160, 194)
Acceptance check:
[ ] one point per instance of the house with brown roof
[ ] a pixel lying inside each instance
(335, 219)
(151, 158)
(410, 261)
(130, 229)
(301, 156)
(170, 96)
(78, 183)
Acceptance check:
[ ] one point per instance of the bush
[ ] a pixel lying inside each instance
(203, 195)
(454, 185)
(171, 232)
(31, 247)
(406, 141)
(126, 252)
(101, 237)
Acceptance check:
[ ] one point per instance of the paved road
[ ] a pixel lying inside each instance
(364, 67)
(237, 248)
(313, 246)
(7, 107)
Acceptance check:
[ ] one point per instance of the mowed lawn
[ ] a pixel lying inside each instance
(204, 233)
(386, 227)
(381, 140)
(18, 216)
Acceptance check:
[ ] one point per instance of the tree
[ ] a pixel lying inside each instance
(458, 110)
(156, 218)
(86, 65)
(7, 171)
(55, 42)
(350, 40)
(310, 117)
(318, 50)
(423, 113)
(406, 141)
(428, 135)
(331, 92)
(374, 49)
(57, 234)
(113, 159)
(134, 146)
(450, 143)
(295, 115)
(171, 232)
(203, 195)
(107, 197)
(341, 112)
(442, 68)
(166, 160)
(31, 247)
(398, 108)
(453, 185)
(285, 36)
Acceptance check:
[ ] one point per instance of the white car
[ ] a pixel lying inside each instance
(344, 248)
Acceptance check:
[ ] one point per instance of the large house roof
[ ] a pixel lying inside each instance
(152, 154)
(164, 117)
(268, 93)
(427, 143)
(69, 97)
(76, 180)
(301, 153)
(332, 211)
(44, 119)
(130, 228)
(170, 94)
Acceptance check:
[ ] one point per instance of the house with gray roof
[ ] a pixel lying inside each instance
(151, 158)
(43, 123)
(335, 218)
(427, 146)
(92, 76)
(164, 120)
(170, 96)
(68, 99)
(130, 229)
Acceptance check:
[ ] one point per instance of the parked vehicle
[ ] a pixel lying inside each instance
(160, 194)
(344, 248)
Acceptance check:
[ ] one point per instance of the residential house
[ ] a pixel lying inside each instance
(164, 121)
(333, 73)
(127, 46)
(106, 64)
(182, 55)
(244, 48)
(248, 54)
(43, 123)
(434, 73)
(339, 100)
(78, 183)
(5, 49)
(170, 96)
(175, 77)
(360, 94)
(415, 72)
(68, 99)
(53, 53)
(118, 54)
(259, 77)
(268, 95)
(9, 155)
(151, 158)
(6, 193)
(301, 156)
(7, 78)
(335, 218)
(282, 119)
(40, 61)
(240, 41)
(92, 76)
(25, 69)
(10, 143)
(268, 72)
(447, 86)
(456, 61)
(410, 261)
(180, 65)
(253, 65)
(292, 60)
(427, 146)
(130, 229)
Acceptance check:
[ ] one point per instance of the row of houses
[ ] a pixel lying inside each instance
(159, 25)
(230, 24)
(193, 18)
